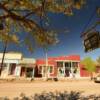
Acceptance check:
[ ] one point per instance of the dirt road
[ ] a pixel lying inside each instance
(14, 89)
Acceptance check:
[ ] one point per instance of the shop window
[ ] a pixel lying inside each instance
(12, 68)
(67, 64)
(51, 69)
(74, 64)
(59, 64)
(29, 72)
(44, 69)
(61, 71)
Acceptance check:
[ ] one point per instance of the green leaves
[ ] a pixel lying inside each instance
(28, 44)
(46, 39)
(89, 64)
(18, 15)
(9, 38)
(98, 60)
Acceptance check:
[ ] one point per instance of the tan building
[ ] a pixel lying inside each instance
(27, 66)
(15, 65)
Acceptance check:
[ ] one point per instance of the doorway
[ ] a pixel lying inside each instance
(29, 72)
(67, 69)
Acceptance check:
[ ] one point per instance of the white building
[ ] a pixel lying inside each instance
(15, 65)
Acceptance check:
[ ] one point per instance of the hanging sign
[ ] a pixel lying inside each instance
(91, 41)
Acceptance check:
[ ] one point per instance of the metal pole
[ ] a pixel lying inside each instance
(46, 65)
(46, 59)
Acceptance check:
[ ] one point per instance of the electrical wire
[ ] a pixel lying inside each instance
(86, 25)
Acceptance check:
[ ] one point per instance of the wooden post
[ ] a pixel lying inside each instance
(64, 69)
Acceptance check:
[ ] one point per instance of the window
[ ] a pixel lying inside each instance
(12, 68)
(74, 64)
(59, 64)
(51, 69)
(67, 64)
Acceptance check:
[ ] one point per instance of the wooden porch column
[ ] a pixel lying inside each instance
(64, 68)
(8, 67)
(33, 74)
(78, 69)
(25, 72)
(71, 69)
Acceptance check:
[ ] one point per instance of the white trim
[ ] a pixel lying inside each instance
(64, 68)
(67, 60)
(10, 61)
(47, 70)
(11, 55)
(52, 70)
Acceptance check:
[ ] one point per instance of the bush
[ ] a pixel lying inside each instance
(73, 95)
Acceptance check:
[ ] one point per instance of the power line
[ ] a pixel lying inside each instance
(86, 25)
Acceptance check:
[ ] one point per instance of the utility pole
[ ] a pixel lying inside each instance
(46, 65)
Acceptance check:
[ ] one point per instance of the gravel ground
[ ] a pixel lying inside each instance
(14, 89)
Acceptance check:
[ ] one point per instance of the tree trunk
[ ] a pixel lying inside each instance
(4, 51)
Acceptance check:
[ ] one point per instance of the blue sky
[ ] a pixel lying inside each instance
(70, 42)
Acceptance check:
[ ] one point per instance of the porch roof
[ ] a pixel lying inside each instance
(28, 65)
(28, 62)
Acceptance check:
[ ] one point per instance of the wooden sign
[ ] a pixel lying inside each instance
(91, 41)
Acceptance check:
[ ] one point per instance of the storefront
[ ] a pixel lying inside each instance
(53, 67)
(62, 66)
(16, 66)
(10, 65)
(43, 70)
(27, 66)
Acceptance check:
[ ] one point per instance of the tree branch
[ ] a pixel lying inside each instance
(23, 19)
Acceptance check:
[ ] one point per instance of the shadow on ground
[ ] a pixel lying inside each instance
(73, 95)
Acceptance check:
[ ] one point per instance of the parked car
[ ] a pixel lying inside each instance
(97, 79)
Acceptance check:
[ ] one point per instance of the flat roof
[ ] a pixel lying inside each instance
(28, 61)
(12, 56)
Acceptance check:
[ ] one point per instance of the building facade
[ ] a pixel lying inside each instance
(53, 67)
(16, 66)
(60, 67)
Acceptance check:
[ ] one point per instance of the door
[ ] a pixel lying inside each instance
(67, 69)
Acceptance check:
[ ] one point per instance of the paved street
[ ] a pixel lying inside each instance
(13, 89)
